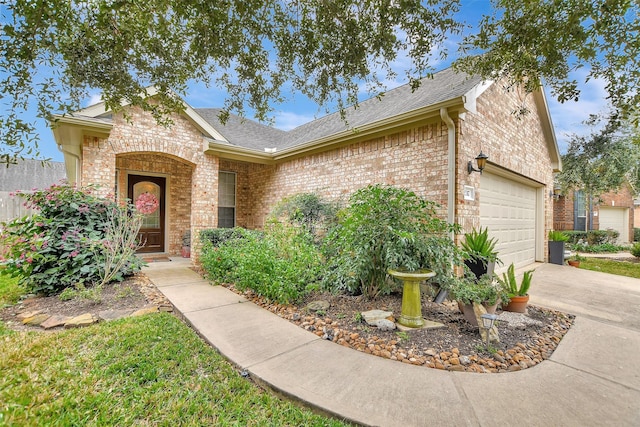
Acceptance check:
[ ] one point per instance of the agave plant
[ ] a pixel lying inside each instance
(479, 246)
(509, 282)
(557, 236)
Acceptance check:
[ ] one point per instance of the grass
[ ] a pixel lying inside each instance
(621, 268)
(150, 370)
(10, 291)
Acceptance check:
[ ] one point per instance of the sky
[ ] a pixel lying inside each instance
(567, 118)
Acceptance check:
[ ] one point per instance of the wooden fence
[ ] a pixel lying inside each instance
(11, 207)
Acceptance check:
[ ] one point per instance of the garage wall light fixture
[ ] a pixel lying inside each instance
(481, 160)
(556, 193)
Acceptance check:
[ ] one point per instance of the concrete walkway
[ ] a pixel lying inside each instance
(592, 379)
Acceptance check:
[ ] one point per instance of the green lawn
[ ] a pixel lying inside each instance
(10, 292)
(621, 268)
(151, 370)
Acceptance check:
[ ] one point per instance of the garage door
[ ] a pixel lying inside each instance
(615, 219)
(508, 208)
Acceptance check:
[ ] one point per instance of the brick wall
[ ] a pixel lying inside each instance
(563, 212)
(414, 158)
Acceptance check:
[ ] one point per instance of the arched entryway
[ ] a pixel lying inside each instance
(169, 180)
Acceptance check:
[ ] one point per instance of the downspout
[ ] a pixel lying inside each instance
(451, 167)
(451, 184)
(76, 179)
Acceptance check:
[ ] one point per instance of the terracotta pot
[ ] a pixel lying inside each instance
(518, 304)
(470, 316)
(186, 252)
(574, 263)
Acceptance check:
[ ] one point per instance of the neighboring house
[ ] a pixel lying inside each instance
(614, 210)
(25, 175)
(207, 174)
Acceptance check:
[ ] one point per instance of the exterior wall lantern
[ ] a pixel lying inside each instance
(481, 160)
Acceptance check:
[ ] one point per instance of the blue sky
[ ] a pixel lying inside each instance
(567, 118)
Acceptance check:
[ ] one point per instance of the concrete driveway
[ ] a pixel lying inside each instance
(602, 297)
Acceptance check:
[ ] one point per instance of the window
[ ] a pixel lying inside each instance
(581, 205)
(226, 200)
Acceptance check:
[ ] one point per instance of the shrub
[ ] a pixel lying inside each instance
(592, 237)
(636, 234)
(218, 236)
(575, 236)
(307, 210)
(387, 228)
(601, 248)
(468, 290)
(72, 239)
(280, 264)
(635, 250)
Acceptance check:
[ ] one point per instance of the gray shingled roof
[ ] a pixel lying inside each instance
(443, 86)
(29, 174)
(243, 132)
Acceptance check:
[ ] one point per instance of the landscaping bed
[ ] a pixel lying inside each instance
(133, 294)
(456, 347)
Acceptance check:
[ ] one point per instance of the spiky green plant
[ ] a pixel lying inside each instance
(479, 246)
(509, 282)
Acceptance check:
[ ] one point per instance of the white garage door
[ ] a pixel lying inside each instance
(508, 208)
(615, 219)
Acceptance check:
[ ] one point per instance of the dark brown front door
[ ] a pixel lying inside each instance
(147, 193)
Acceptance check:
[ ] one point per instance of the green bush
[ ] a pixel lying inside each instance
(575, 236)
(592, 237)
(218, 236)
(387, 228)
(635, 250)
(601, 248)
(280, 264)
(309, 211)
(468, 290)
(71, 240)
(636, 234)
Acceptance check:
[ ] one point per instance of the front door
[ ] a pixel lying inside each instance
(148, 196)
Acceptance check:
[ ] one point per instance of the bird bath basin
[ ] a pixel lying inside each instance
(411, 304)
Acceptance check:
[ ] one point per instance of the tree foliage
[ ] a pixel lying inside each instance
(600, 162)
(532, 42)
(55, 52)
(256, 50)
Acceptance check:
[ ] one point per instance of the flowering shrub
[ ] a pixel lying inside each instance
(64, 243)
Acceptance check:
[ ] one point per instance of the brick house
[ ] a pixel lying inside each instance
(207, 174)
(614, 210)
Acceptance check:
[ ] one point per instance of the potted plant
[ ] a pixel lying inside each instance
(186, 244)
(518, 295)
(482, 256)
(485, 290)
(556, 246)
(574, 260)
